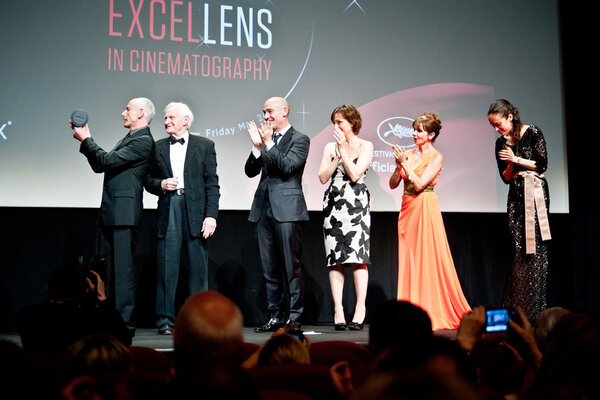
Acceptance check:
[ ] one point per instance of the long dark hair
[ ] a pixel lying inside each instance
(504, 108)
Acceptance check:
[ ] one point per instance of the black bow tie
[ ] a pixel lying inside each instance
(172, 140)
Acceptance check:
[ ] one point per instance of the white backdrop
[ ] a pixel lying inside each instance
(391, 59)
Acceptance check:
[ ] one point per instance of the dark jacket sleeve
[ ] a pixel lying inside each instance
(138, 150)
(253, 165)
(502, 165)
(211, 183)
(153, 179)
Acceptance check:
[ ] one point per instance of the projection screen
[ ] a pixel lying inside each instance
(392, 59)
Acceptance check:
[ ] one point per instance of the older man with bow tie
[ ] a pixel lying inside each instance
(184, 177)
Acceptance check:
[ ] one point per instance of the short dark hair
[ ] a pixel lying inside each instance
(350, 114)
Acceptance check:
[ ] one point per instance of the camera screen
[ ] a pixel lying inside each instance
(497, 320)
(298, 334)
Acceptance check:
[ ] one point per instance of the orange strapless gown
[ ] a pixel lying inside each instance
(426, 273)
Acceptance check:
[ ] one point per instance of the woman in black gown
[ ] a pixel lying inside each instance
(522, 159)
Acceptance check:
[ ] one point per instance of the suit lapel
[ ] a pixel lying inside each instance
(190, 152)
(286, 140)
(129, 136)
(164, 154)
(120, 143)
(283, 146)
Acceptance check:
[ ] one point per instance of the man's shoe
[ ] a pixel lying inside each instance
(293, 325)
(165, 329)
(271, 326)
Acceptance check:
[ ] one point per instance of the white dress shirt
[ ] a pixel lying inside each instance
(177, 157)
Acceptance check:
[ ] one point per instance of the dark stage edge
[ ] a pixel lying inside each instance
(149, 337)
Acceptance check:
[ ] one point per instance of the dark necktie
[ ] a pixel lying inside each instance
(172, 140)
(276, 137)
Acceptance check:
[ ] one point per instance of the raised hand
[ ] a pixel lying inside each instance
(266, 132)
(80, 133)
(340, 140)
(400, 154)
(255, 136)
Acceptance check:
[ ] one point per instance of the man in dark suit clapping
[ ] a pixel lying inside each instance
(184, 177)
(279, 154)
(124, 169)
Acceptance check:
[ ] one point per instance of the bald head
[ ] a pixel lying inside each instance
(208, 317)
(545, 322)
(208, 339)
(147, 106)
(278, 102)
(276, 111)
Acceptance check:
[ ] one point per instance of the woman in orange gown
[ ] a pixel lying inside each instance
(426, 274)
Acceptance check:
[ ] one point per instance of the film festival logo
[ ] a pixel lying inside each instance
(396, 131)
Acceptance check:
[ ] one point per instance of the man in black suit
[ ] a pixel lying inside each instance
(184, 177)
(279, 154)
(124, 169)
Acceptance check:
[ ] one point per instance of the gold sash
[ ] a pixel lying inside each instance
(409, 188)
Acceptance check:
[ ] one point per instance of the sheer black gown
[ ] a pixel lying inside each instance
(526, 285)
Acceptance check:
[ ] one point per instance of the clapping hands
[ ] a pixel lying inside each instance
(400, 155)
(261, 135)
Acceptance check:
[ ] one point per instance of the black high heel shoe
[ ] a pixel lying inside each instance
(355, 326)
(340, 327)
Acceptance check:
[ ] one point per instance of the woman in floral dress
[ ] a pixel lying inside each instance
(347, 219)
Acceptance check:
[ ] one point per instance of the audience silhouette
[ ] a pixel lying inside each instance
(555, 358)
(208, 341)
(76, 307)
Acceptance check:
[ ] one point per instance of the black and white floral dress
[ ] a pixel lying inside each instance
(347, 220)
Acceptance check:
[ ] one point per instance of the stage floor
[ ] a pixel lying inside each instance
(149, 337)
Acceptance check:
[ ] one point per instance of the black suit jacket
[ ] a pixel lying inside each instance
(201, 182)
(281, 170)
(124, 169)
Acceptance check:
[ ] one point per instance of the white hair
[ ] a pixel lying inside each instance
(183, 109)
(146, 105)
